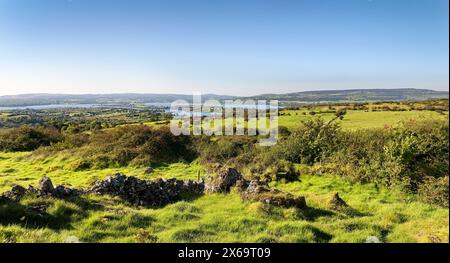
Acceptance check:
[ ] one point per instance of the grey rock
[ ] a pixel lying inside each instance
(223, 181)
(147, 192)
(46, 185)
(260, 191)
(16, 193)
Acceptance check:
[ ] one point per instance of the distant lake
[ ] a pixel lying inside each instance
(158, 104)
(56, 106)
(85, 106)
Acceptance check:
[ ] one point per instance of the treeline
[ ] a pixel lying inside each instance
(441, 105)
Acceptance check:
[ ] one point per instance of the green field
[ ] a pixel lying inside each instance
(360, 119)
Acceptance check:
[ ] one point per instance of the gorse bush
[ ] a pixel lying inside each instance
(223, 148)
(411, 157)
(314, 140)
(27, 138)
(137, 145)
(435, 190)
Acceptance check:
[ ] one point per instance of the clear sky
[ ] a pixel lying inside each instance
(226, 47)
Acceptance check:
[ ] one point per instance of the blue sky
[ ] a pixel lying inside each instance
(225, 47)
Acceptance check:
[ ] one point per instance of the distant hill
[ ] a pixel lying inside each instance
(358, 95)
(106, 99)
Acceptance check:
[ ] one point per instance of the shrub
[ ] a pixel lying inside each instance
(310, 143)
(27, 138)
(435, 191)
(222, 149)
(136, 144)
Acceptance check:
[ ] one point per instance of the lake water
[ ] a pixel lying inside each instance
(56, 106)
(68, 106)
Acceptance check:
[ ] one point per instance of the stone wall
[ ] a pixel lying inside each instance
(160, 192)
(147, 192)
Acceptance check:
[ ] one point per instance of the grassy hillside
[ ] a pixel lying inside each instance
(360, 95)
(214, 218)
(382, 174)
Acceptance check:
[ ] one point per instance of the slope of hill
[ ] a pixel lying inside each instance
(358, 95)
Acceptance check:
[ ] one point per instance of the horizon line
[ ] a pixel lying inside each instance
(215, 94)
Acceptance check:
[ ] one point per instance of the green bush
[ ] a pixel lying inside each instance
(27, 138)
(435, 191)
(314, 140)
(223, 148)
(136, 144)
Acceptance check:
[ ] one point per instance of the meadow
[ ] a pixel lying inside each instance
(218, 217)
(357, 119)
(379, 211)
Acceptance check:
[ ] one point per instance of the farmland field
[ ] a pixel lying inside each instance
(361, 119)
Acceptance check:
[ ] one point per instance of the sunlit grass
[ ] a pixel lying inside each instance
(360, 119)
(212, 218)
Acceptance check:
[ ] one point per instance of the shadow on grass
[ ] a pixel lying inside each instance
(319, 235)
(32, 216)
(56, 214)
(351, 212)
(182, 197)
(312, 213)
(156, 165)
(59, 214)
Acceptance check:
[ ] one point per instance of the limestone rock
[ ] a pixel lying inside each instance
(260, 191)
(16, 193)
(223, 181)
(147, 192)
(46, 185)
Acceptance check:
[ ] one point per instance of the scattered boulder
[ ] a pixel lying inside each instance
(61, 191)
(46, 190)
(46, 185)
(33, 190)
(255, 190)
(16, 193)
(337, 202)
(223, 181)
(255, 187)
(260, 191)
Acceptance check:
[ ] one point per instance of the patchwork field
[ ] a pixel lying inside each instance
(355, 119)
